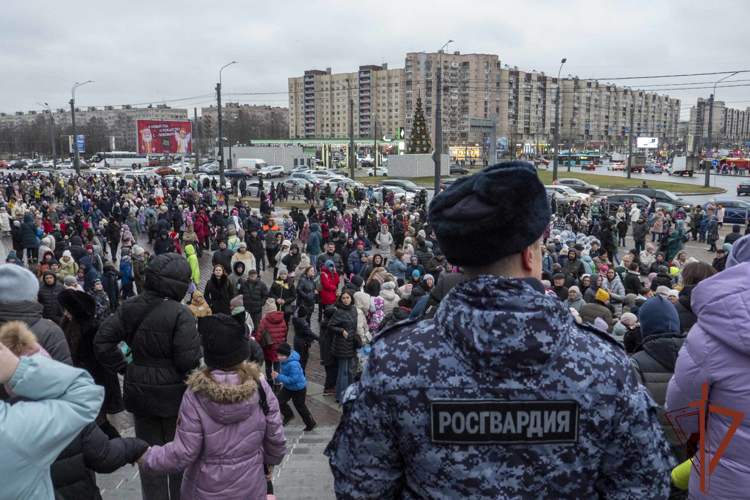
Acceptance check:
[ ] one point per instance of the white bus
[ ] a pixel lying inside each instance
(119, 159)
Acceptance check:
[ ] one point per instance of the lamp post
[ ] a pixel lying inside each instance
(221, 146)
(557, 122)
(707, 180)
(437, 154)
(52, 133)
(73, 123)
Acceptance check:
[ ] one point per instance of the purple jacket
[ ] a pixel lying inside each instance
(223, 439)
(717, 351)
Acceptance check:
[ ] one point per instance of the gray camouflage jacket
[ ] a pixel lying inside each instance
(501, 395)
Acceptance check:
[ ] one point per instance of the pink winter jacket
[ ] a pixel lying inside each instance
(223, 439)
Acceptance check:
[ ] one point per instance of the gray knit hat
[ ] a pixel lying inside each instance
(17, 284)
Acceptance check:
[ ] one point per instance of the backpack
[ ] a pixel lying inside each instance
(318, 283)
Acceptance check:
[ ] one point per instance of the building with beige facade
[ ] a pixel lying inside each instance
(729, 127)
(319, 103)
(476, 86)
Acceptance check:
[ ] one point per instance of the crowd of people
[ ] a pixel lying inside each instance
(110, 274)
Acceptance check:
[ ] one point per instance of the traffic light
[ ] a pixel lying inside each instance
(401, 133)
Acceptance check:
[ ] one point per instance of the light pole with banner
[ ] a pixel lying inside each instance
(51, 133)
(221, 147)
(707, 181)
(76, 165)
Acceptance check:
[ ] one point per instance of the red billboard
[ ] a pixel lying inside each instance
(155, 137)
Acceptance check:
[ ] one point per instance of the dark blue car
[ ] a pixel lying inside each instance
(735, 212)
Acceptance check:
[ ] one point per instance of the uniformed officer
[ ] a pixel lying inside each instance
(502, 394)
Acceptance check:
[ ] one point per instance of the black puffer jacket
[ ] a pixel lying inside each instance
(685, 312)
(47, 296)
(345, 318)
(223, 257)
(396, 316)
(91, 450)
(77, 249)
(254, 295)
(166, 346)
(424, 255)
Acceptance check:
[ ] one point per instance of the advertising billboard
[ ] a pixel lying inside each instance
(156, 137)
(81, 144)
(647, 142)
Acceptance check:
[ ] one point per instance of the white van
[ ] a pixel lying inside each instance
(251, 164)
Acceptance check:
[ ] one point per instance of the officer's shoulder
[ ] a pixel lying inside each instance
(395, 333)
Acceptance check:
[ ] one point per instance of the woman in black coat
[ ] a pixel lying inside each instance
(80, 325)
(343, 328)
(282, 291)
(218, 292)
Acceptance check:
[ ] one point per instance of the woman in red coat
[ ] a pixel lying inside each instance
(329, 281)
(201, 228)
(275, 324)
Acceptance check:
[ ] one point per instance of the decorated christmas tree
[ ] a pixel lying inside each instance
(419, 140)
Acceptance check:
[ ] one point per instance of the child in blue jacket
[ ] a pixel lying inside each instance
(295, 387)
(126, 269)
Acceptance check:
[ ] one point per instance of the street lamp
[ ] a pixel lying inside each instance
(557, 122)
(437, 154)
(73, 123)
(352, 154)
(51, 133)
(221, 147)
(707, 181)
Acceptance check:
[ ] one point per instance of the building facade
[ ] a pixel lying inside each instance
(120, 121)
(263, 122)
(592, 115)
(319, 103)
(729, 127)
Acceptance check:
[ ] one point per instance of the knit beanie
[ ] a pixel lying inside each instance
(284, 349)
(67, 253)
(662, 291)
(601, 324)
(283, 270)
(658, 315)
(236, 302)
(628, 319)
(575, 289)
(69, 280)
(223, 339)
(602, 295)
(17, 284)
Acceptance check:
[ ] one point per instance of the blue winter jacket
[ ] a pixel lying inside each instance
(90, 276)
(313, 242)
(33, 433)
(291, 373)
(127, 273)
(397, 267)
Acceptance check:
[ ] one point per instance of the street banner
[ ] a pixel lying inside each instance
(81, 144)
(156, 137)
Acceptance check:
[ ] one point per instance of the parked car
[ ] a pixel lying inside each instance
(616, 167)
(616, 200)
(561, 198)
(64, 164)
(654, 169)
(567, 191)
(661, 196)
(154, 161)
(299, 168)
(743, 188)
(251, 164)
(325, 175)
(271, 171)
(446, 183)
(4, 164)
(238, 173)
(307, 177)
(397, 194)
(403, 184)
(164, 170)
(578, 185)
(735, 211)
(458, 170)
(20, 164)
(379, 172)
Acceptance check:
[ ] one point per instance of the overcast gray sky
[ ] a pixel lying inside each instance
(149, 52)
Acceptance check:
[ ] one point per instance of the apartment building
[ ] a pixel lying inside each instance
(729, 126)
(120, 121)
(319, 103)
(477, 86)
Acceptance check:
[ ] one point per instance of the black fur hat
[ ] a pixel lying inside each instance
(490, 215)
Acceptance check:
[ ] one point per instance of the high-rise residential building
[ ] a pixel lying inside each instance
(729, 126)
(319, 103)
(470, 90)
(477, 86)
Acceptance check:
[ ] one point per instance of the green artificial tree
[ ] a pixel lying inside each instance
(419, 140)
